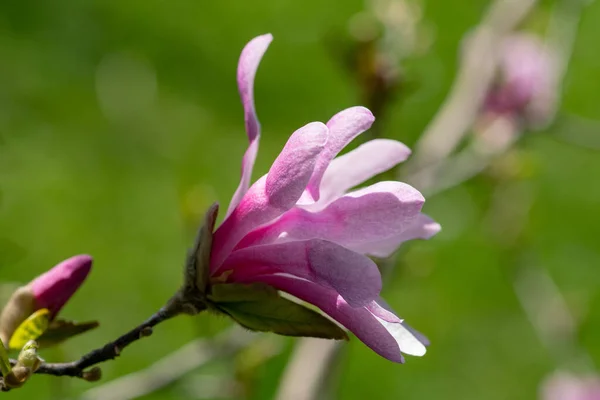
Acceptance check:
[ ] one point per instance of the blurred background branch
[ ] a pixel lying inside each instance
(479, 59)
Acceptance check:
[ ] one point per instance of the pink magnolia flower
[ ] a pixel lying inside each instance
(50, 290)
(303, 230)
(563, 386)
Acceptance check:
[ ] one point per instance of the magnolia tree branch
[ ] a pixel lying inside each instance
(107, 352)
(173, 367)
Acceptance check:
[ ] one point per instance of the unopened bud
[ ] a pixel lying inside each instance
(55, 287)
(50, 290)
(28, 357)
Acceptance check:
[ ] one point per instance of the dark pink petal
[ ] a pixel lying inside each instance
(375, 213)
(386, 339)
(352, 169)
(423, 227)
(247, 66)
(355, 277)
(273, 194)
(55, 287)
(343, 127)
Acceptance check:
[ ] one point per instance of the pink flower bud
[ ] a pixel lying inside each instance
(54, 288)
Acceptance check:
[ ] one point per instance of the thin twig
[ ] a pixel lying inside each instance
(173, 367)
(475, 158)
(107, 352)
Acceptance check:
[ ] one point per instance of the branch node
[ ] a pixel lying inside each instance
(92, 375)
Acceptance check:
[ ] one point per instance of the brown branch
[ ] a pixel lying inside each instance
(173, 367)
(109, 351)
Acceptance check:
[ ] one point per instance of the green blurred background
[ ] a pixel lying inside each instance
(120, 123)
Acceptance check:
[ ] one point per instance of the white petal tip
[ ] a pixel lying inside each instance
(407, 342)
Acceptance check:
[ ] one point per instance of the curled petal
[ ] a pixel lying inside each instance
(423, 227)
(291, 170)
(386, 339)
(343, 127)
(364, 162)
(375, 213)
(273, 194)
(355, 277)
(247, 66)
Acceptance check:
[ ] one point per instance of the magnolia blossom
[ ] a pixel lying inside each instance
(303, 230)
(51, 290)
(563, 386)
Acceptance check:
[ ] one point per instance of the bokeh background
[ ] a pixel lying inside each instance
(120, 123)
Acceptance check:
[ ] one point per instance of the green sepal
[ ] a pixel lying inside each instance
(236, 292)
(61, 330)
(259, 307)
(5, 367)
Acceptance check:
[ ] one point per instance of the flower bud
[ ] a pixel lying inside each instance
(54, 288)
(50, 290)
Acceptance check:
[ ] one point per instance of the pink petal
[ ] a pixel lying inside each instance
(423, 227)
(375, 213)
(343, 127)
(247, 66)
(366, 161)
(380, 309)
(372, 331)
(55, 287)
(355, 277)
(275, 193)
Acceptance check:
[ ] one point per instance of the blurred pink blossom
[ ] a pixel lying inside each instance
(563, 386)
(302, 229)
(525, 88)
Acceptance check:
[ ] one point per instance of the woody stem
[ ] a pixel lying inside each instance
(110, 350)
